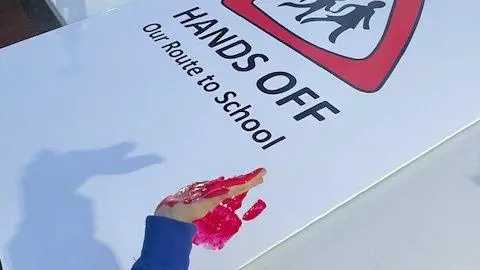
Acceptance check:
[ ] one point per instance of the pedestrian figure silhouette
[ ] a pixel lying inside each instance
(351, 19)
(312, 7)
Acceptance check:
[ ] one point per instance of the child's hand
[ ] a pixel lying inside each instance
(196, 200)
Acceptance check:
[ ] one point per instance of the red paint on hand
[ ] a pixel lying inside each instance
(217, 192)
(207, 189)
(222, 223)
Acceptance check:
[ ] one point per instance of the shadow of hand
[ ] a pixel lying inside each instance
(58, 229)
(476, 177)
(113, 160)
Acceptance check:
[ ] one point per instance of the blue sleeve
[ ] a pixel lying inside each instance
(166, 246)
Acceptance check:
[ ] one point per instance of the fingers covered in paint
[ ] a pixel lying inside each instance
(196, 200)
(256, 180)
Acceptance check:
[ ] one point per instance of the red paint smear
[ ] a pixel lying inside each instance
(255, 210)
(219, 225)
(207, 189)
(222, 223)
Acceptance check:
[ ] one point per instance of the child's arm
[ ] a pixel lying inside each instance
(167, 245)
(169, 234)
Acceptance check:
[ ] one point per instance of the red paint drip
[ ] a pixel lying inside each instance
(222, 223)
(255, 210)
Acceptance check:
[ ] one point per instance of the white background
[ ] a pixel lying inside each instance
(102, 81)
(422, 217)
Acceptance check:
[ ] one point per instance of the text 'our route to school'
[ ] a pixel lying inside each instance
(230, 47)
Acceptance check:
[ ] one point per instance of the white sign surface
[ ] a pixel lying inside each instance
(327, 114)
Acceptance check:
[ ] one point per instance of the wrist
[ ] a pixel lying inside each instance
(167, 212)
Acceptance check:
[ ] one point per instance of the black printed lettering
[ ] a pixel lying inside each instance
(291, 82)
(218, 35)
(175, 53)
(194, 71)
(257, 136)
(244, 111)
(246, 124)
(211, 86)
(171, 46)
(295, 96)
(251, 64)
(151, 27)
(201, 26)
(227, 106)
(314, 111)
(225, 98)
(182, 60)
(208, 78)
(272, 143)
(190, 15)
(192, 63)
(245, 48)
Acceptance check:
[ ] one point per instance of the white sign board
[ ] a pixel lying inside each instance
(328, 101)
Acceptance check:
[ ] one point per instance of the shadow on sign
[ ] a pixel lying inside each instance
(476, 176)
(57, 231)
